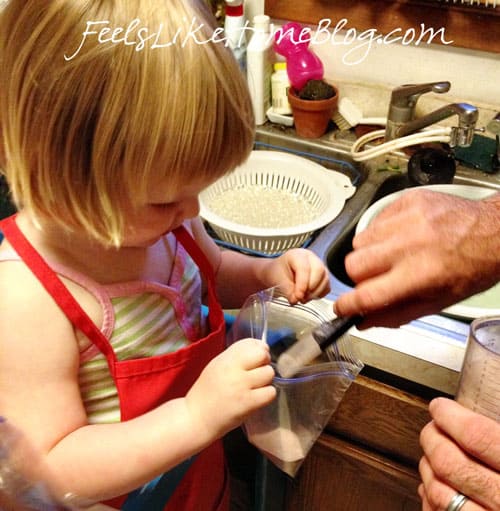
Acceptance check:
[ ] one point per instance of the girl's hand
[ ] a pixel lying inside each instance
(232, 386)
(461, 455)
(300, 274)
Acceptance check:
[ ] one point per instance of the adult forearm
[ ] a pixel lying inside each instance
(493, 203)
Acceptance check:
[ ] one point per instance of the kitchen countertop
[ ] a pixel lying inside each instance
(428, 351)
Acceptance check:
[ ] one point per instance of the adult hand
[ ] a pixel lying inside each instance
(422, 253)
(461, 455)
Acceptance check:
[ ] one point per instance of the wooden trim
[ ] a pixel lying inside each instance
(475, 27)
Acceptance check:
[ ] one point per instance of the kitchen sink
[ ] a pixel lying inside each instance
(335, 251)
(428, 350)
(335, 241)
(374, 180)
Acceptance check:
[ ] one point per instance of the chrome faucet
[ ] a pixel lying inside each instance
(401, 119)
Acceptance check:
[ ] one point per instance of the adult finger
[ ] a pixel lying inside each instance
(394, 287)
(390, 316)
(426, 505)
(477, 434)
(371, 261)
(436, 495)
(458, 470)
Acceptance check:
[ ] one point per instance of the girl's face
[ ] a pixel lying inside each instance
(164, 208)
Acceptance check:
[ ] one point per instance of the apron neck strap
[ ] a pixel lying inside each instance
(79, 318)
(194, 251)
(53, 284)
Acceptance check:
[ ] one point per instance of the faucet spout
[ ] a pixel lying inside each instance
(401, 119)
(467, 118)
(404, 101)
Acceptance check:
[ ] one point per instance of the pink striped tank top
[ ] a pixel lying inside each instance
(140, 318)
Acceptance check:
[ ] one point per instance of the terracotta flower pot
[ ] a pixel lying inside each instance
(311, 117)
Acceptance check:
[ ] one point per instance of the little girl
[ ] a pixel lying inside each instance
(114, 116)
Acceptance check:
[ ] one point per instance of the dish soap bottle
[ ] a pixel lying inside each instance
(235, 31)
(260, 67)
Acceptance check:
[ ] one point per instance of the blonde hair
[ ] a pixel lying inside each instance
(85, 127)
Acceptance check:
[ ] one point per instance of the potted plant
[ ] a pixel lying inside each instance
(313, 107)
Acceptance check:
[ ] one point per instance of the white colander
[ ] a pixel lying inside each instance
(325, 191)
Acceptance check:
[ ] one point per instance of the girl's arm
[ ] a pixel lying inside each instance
(300, 273)
(39, 393)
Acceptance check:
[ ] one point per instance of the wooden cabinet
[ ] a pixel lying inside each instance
(366, 458)
(339, 475)
(368, 455)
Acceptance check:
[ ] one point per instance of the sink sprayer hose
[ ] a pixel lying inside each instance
(422, 137)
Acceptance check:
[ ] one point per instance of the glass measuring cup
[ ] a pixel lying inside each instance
(479, 385)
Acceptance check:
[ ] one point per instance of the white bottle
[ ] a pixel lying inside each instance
(280, 83)
(260, 67)
(235, 29)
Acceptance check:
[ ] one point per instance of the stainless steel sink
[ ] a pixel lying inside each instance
(428, 350)
(334, 241)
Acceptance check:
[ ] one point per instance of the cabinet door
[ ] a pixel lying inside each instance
(339, 476)
(382, 418)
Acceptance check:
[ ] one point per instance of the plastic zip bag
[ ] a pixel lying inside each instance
(285, 430)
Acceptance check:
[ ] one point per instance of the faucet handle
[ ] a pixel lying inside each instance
(406, 96)
(404, 99)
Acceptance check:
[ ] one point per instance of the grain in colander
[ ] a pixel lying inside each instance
(264, 207)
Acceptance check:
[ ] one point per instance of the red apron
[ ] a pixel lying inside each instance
(145, 383)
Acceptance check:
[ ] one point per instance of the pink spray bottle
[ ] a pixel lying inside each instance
(292, 42)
